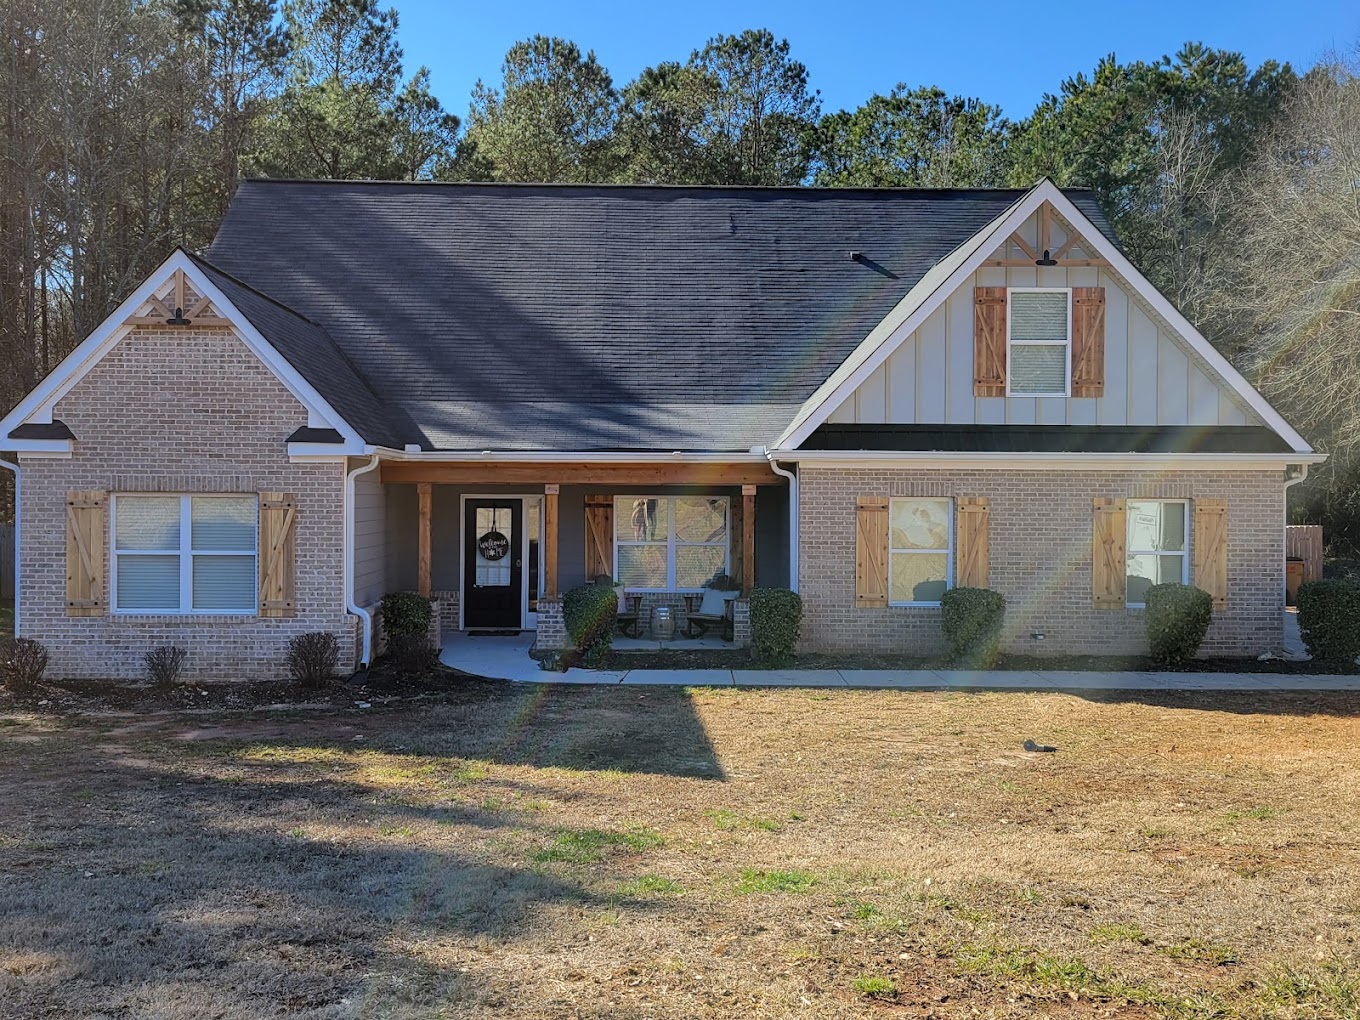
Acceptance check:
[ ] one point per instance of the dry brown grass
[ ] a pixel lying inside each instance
(628, 852)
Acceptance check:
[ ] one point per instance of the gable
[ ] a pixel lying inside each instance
(1152, 375)
(1162, 370)
(174, 305)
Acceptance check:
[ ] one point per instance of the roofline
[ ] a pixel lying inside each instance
(1051, 461)
(628, 186)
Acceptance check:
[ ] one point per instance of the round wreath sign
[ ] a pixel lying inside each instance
(493, 546)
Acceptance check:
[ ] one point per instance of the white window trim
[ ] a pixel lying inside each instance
(1184, 554)
(185, 553)
(949, 566)
(672, 543)
(1011, 342)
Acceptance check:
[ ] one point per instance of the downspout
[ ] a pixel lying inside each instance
(793, 516)
(347, 555)
(1288, 484)
(18, 531)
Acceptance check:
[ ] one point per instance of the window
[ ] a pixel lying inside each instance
(1040, 342)
(669, 543)
(920, 550)
(1155, 547)
(185, 554)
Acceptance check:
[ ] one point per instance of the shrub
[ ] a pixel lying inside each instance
(972, 619)
(412, 654)
(405, 612)
(165, 665)
(22, 663)
(1177, 618)
(776, 618)
(1329, 620)
(589, 612)
(313, 658)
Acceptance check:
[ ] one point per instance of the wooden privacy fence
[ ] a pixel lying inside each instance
(1304, 542)
(6, 561)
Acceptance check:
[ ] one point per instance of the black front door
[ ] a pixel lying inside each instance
(493, 578)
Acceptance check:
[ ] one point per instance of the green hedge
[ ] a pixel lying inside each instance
(971, 619)
(405, 613)
(1329, 620)
(589, 613)
(776, 618)
(1177, 617)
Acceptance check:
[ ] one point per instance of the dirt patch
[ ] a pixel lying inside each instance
(496, 850)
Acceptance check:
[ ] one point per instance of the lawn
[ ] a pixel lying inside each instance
(634, 853)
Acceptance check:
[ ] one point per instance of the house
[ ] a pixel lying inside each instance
(491, 393)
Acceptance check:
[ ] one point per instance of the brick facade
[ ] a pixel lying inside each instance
(1040, 536)
(181, 411)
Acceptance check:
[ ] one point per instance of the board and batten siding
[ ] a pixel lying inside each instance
(1151, 376)
(370, 539)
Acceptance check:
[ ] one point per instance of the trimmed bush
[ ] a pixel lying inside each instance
(405, 612)
(776, 619)
(1177, 618)
(313, 658)
(165, 665)
(972, 619)
(589, 612)
(23, 662)
(1329, 620)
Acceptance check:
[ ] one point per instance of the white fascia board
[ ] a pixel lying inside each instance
(1054, 461)
(59, 449)
(324, 451)
(881, 342)
(38, 404)
(550, 456)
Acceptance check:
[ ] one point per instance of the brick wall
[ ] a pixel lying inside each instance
(181, 411)
(1040, 558)
(551, 635)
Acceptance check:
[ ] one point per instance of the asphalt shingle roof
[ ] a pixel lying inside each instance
(585, 317)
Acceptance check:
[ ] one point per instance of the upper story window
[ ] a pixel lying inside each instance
(670, 543)
(185, 554)
(1040, 348)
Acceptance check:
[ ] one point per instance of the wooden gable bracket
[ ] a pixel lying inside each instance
(1045, 255)
(175, 309)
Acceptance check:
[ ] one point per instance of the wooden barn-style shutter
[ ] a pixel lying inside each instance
(599, 536)
(871, 552)
(278, 554)
(1088, 341)
(1211, 549)
(86, 523)
(1107, 554)
(989, 341)
(971, 542)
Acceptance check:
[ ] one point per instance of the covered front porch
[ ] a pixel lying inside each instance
(497, 543)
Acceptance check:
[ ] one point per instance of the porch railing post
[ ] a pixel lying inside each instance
(425, 494)
(550, 541)
(748, 538)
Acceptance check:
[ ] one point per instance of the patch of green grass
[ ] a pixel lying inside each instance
(397, 831)
(1200, 950)
(1259, 813)
(1029, 895)
(1154, 832)
(1020, 964)
(587, 846)
(861, 911)
(729, 821)
(758, 880)
(652, 885)
(875, 986)
(1329, 989)
(298, 833)
(1119, 933)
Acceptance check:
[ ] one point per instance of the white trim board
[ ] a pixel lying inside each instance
(38, 405)
(951, 272)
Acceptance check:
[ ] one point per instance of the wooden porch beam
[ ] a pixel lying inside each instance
(550, 541)
(748, 538)
(425, 494)
(522, 472)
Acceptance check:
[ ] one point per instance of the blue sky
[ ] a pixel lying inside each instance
(1006, 53)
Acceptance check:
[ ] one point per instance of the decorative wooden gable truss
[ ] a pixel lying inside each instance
(1075, 252)
(175, 303)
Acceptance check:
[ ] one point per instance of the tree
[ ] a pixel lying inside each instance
(552, 119)
(425, 135)
(1298, 248)
(913, 138)
(759, 110)
(659, 136)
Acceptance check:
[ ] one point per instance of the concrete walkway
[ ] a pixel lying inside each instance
(507, 658)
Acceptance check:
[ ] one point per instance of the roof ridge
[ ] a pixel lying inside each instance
(819, 190)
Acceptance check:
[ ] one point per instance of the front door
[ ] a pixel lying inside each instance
(493, 565)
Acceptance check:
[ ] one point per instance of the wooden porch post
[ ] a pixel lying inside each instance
(425, 494)
(748, 538)
(550, 541)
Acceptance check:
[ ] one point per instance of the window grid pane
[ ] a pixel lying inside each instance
(148, 582)
(222, 523)
(1039, 315)
(148, 523)
(1038, 369)
(224, 583)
